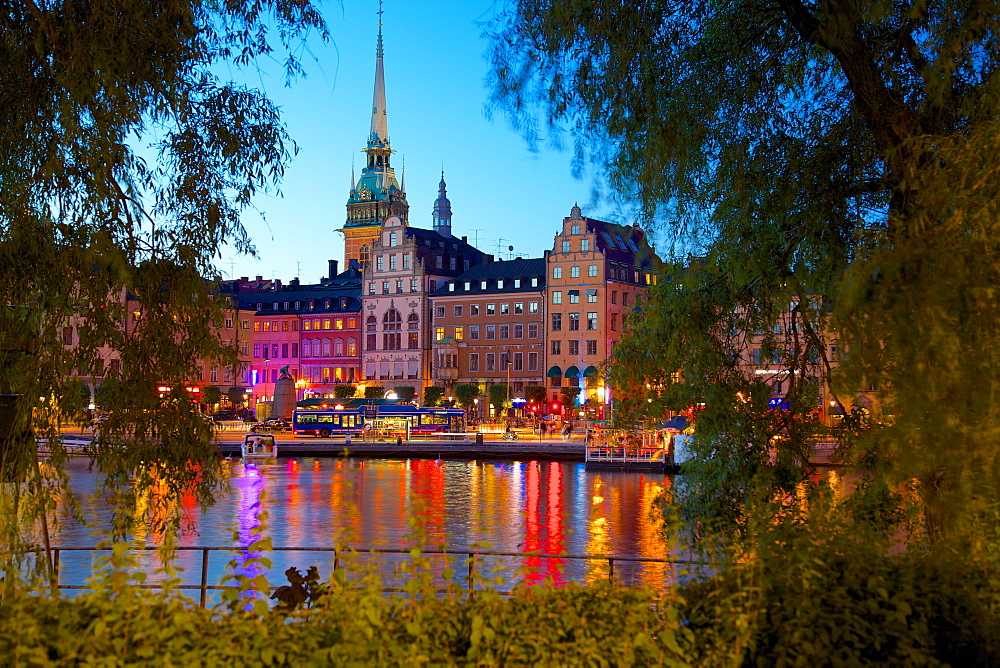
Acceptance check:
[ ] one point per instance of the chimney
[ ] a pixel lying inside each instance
(332, 268)
(260, 278)
(295, 282)
(465, 239)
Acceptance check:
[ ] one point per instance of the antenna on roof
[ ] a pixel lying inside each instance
(477, 230)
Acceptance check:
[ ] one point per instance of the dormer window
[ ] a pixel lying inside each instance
(392, 238)
(275, 306)
(482, 285)
(517, 283)
(499, 284)
(468, 285)
(260, 307)
(534, 281)
(298, 305)
(286, 306)
(312, 304)
(575, 229)
(451, 286)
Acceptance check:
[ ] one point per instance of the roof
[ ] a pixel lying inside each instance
(492, 272)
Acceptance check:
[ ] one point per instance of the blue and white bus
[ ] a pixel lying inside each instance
(355, 420)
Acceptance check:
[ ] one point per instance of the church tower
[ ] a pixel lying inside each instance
(377, 194)
(442, 210)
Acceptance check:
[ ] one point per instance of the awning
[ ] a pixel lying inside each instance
(836, 409)
(678, 423)
(591, 293)
(554, 372)
(574, 293)
(572, 372)
(590, 372)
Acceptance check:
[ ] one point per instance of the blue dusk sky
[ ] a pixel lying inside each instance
(502, 193)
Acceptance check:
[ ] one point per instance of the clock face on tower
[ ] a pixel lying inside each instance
(365, 194)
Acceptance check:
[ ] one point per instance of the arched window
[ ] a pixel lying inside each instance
(392, 325)
(364, 254)
(371, 324)
(413, 322)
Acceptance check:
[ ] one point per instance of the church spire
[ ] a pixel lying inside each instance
(379, 135)
(442, 210)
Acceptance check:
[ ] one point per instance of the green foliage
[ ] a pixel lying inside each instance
(839, 152)
(568, 395)
(499, 393)
(405, 392)
(235, 396)
(211, 395)
(374, 391)
(433, 395)
(344, 391)
(535, 394)
(466, 393)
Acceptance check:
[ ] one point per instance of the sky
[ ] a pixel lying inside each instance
(502, 193)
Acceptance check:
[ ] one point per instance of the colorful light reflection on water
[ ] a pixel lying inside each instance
(535, 507)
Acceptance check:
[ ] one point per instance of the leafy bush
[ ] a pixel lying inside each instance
(344, 391)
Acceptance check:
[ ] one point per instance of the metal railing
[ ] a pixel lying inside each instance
(471, 556)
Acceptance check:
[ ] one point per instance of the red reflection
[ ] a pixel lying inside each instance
(427, 485)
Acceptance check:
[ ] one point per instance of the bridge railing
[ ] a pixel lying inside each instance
(472, 558)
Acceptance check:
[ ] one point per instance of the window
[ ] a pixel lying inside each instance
(557, 297)
(517, 283)
(413, 340)
(584, 245)
(338, 323)
(473, 310)
(756, 355)
(491, 332)
(557, 322)
(474, 332)
(245, 324)
(591, 347)
(614, 322)
(532, 361)
(532, 307)
(458, 310)
(439, 260)
(504, 360)
(284, 351)
(473, 361)
(256, 350)
(406, 261)
(624, 299)
(591, 296)
(438, 333)
(326, 324)
(392, 325)
(575, 229)
(532, 330)
(518, 331)
(534, 282)
(499, 284)
(777, 327)
(556, 272)
(438, 311)
(565, 246)
(518, 361)
(326, 347)
(574, 296)
(413, 322)
(392, 238)
(352, 346)
(267, 325)
(504, 331)
(399, 286)
(385, 287)
(557, 347)
(592, 270)
(574, 322)
(451, 263)
(614, 296)
(482, 285)
(491, 309)
(413, 285)
(491, 362)
(378, 263)
(574, 347)
(592, 321)
(459, 333)
(518, 308)
(392, 262)
(371, 290)
(266, 349)
(574, 271)
(245, 349)
(833, 352)
(338, 346)
(352, 323)
(505, 309)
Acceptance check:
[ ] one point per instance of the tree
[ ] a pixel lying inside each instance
(128, 163)
(374, 391)
(344, 391)
(802, 150)
(433, 395)
(568, 396)
(406, 393)
(466, 394)
(211, 395)
(499, 394)
(236, 396)
(535, 394)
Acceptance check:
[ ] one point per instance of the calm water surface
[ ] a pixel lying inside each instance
(549, 508)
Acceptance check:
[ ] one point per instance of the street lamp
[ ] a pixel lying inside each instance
(509, 363)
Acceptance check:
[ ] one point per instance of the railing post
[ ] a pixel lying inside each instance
(611, 570)
(472, 566)
(55, 567)
(204, 576)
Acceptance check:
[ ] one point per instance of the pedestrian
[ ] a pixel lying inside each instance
(569, 430)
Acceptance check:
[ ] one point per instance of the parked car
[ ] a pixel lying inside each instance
(274, 424)
(225, 416)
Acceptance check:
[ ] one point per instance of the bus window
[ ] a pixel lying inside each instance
(326, 419)
(303, 419)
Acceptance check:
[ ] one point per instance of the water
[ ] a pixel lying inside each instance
(550, 508)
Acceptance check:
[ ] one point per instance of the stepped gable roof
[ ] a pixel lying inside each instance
(429, 243)
(491, 272)
(623, 243)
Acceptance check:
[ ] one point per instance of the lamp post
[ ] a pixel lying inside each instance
(509, 363)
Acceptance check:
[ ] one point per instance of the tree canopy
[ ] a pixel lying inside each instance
(835, 158)
(126, 161)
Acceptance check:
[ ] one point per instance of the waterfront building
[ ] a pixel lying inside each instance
(598, 272)
(489, 326)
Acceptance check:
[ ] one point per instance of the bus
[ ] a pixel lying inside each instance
(357, 420)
